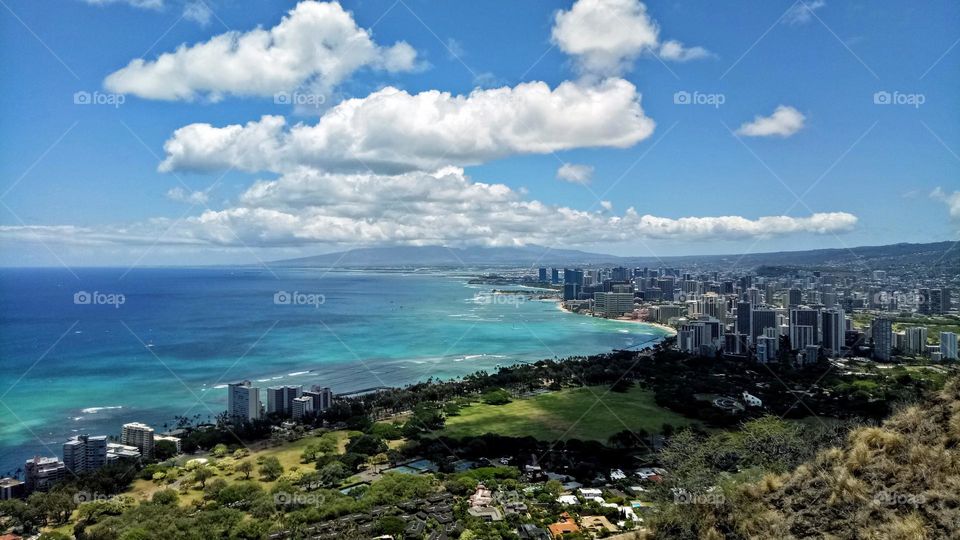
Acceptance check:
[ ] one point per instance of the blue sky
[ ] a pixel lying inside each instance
(81, 183)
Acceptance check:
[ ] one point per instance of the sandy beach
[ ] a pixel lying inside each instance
(672, 331)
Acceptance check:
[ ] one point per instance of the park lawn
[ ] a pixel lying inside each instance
(565, 414)
(287, 453)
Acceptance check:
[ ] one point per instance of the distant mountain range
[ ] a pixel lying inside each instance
(450, 256)
(875, 257)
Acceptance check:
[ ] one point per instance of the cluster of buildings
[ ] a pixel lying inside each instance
(911, 341)
(244, 402)
(85, 453)
(801, 313)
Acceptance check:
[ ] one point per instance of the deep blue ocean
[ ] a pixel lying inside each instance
(88, 350)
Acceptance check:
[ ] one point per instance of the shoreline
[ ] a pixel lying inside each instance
(670, 330)
(93, 413)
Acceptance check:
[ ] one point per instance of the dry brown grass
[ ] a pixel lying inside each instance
(898, 481)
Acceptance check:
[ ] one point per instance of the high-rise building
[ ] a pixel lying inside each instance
(882, 332)
(923, 300)
(744, 310)
(612, 304)
(762, 318)
(948, 346)
(766, 349)
(754, 296)
(243, 401)
(322, 397)
(554, 276)
(735, 344)
(804, 327)
(692, 337)
(936, 302)
(280, 398)
(41, 473)
(139, 435)
(713, 304)
(301, 406)
(85, 453)
(666, 286)
(542, 275)
(574, 276)
(915, 340)
(570, 291)
(801, 336)
(794, 297)
(833, 331)
(666, 312)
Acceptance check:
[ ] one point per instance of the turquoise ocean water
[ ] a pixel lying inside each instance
(179, 335)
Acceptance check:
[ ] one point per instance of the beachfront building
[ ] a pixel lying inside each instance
(42, 473)
(663, 313)
(243, 401)
(11, 488)
(280, 399)
(84, 453)
(140, 436)
(612, 304)
(169, 438)
(302, 406)
(122, 452)
(322, 397)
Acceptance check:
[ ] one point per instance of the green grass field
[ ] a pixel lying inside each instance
(287, 453)
(566, 414)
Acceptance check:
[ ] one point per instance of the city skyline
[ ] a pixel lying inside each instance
(610, 126)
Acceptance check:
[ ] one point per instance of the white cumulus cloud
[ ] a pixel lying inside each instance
(676, 51)
(182, 195)
(143, 4)
(444, 207)
(577, 174)
(784, 122)
(392, 131)
(316, 43)
(605, 36)
(197, 11)
(952, 200)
